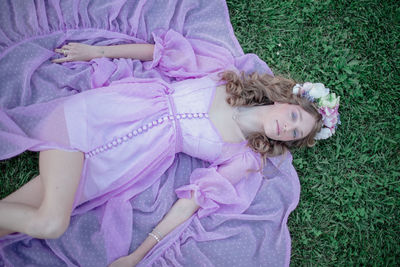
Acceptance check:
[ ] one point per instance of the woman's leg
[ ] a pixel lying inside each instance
(30, 194)
(60, 172)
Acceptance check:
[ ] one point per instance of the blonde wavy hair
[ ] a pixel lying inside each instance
(257, 90)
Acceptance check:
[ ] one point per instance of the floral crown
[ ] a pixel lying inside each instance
(328, 106)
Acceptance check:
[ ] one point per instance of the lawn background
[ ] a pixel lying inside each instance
(348, 213)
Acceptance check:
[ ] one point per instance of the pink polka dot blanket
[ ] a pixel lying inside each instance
(114, 223)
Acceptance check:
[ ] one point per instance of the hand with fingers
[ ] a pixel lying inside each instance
(76, 52)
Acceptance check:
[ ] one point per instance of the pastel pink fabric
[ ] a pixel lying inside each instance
(144, 129)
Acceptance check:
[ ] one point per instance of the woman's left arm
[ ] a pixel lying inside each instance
(182, 210)
(84, 52)
(226, 188)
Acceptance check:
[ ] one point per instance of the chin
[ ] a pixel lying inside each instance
(273, 137)
(279, 138)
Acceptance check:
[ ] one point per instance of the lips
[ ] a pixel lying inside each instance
(277, 127)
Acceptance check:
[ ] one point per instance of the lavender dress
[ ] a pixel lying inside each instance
(131, 130)
(142, 123)
(131, 118)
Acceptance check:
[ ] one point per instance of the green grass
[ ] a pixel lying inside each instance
(348, 213)
(349, 207)
(17, 171)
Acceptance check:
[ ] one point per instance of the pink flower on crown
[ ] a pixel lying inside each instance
(329, 116)
(330, 122)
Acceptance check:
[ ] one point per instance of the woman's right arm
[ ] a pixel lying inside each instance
(173, 54)
(84, 52)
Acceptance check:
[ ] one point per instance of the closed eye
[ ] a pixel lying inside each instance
(294, 116)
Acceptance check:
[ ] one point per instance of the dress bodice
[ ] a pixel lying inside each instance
(196, 135)
(186, 110)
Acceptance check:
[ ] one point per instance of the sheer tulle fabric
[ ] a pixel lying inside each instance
(114, 224)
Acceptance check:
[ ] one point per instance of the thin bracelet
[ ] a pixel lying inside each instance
(158, 233)
(155, 237)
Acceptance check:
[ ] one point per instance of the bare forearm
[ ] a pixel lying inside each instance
(182, 210)
(143, 52)
(84, 52)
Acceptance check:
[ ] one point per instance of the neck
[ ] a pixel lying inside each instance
(249, 119)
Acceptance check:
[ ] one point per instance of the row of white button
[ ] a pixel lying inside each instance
(118, 141)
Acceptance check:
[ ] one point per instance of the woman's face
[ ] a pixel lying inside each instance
(287, 122)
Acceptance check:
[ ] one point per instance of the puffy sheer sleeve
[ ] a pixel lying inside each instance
(229, 187)
(179, 57)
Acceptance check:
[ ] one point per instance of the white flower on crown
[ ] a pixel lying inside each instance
(329, 101)
(324, 133)
(296, 89)
(316, 90)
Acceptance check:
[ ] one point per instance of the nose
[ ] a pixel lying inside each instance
(288, 127)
